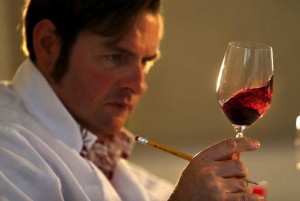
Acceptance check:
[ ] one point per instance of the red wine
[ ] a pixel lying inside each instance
(247, 105)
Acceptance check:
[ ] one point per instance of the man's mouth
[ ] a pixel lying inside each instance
(121, 105)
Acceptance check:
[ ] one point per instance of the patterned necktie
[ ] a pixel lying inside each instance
(105, 152)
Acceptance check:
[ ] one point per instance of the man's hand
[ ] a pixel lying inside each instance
(213, 174)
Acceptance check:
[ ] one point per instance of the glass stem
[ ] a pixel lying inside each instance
(240, 130)
(239, 135)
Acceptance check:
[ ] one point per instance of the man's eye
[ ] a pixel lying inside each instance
(114, 57)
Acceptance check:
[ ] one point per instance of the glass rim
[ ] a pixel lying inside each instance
(249, 45)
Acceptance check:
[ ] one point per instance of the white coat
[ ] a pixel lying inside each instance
(39, 151)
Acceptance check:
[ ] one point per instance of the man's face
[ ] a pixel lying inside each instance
(103, 83)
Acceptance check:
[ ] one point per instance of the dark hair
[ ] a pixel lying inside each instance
(111, 18)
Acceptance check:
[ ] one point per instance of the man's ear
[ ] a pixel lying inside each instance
(46, 45)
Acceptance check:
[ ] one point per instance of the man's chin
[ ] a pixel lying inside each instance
(114, 126)
(118, 124)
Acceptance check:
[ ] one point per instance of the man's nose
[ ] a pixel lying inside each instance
(135, 79)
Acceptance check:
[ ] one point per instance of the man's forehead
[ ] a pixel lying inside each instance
(147, 32)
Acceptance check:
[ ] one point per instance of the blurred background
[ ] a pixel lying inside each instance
(180, 108)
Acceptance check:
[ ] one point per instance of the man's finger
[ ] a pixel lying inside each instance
(230, 168)
(235, 185)
(244, 197)
(225, 149)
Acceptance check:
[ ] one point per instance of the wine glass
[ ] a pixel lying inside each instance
(245, 83)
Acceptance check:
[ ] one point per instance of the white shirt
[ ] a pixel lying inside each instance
(39, 151)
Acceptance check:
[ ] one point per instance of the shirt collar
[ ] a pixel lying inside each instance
(41, 101)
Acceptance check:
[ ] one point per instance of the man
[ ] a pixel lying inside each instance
(62, 115)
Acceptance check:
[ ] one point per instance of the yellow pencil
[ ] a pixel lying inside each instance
(143, 140)
(175, 152)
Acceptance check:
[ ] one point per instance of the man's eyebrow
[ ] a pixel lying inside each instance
(153, 57)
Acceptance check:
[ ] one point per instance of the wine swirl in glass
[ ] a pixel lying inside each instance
(245, 83)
